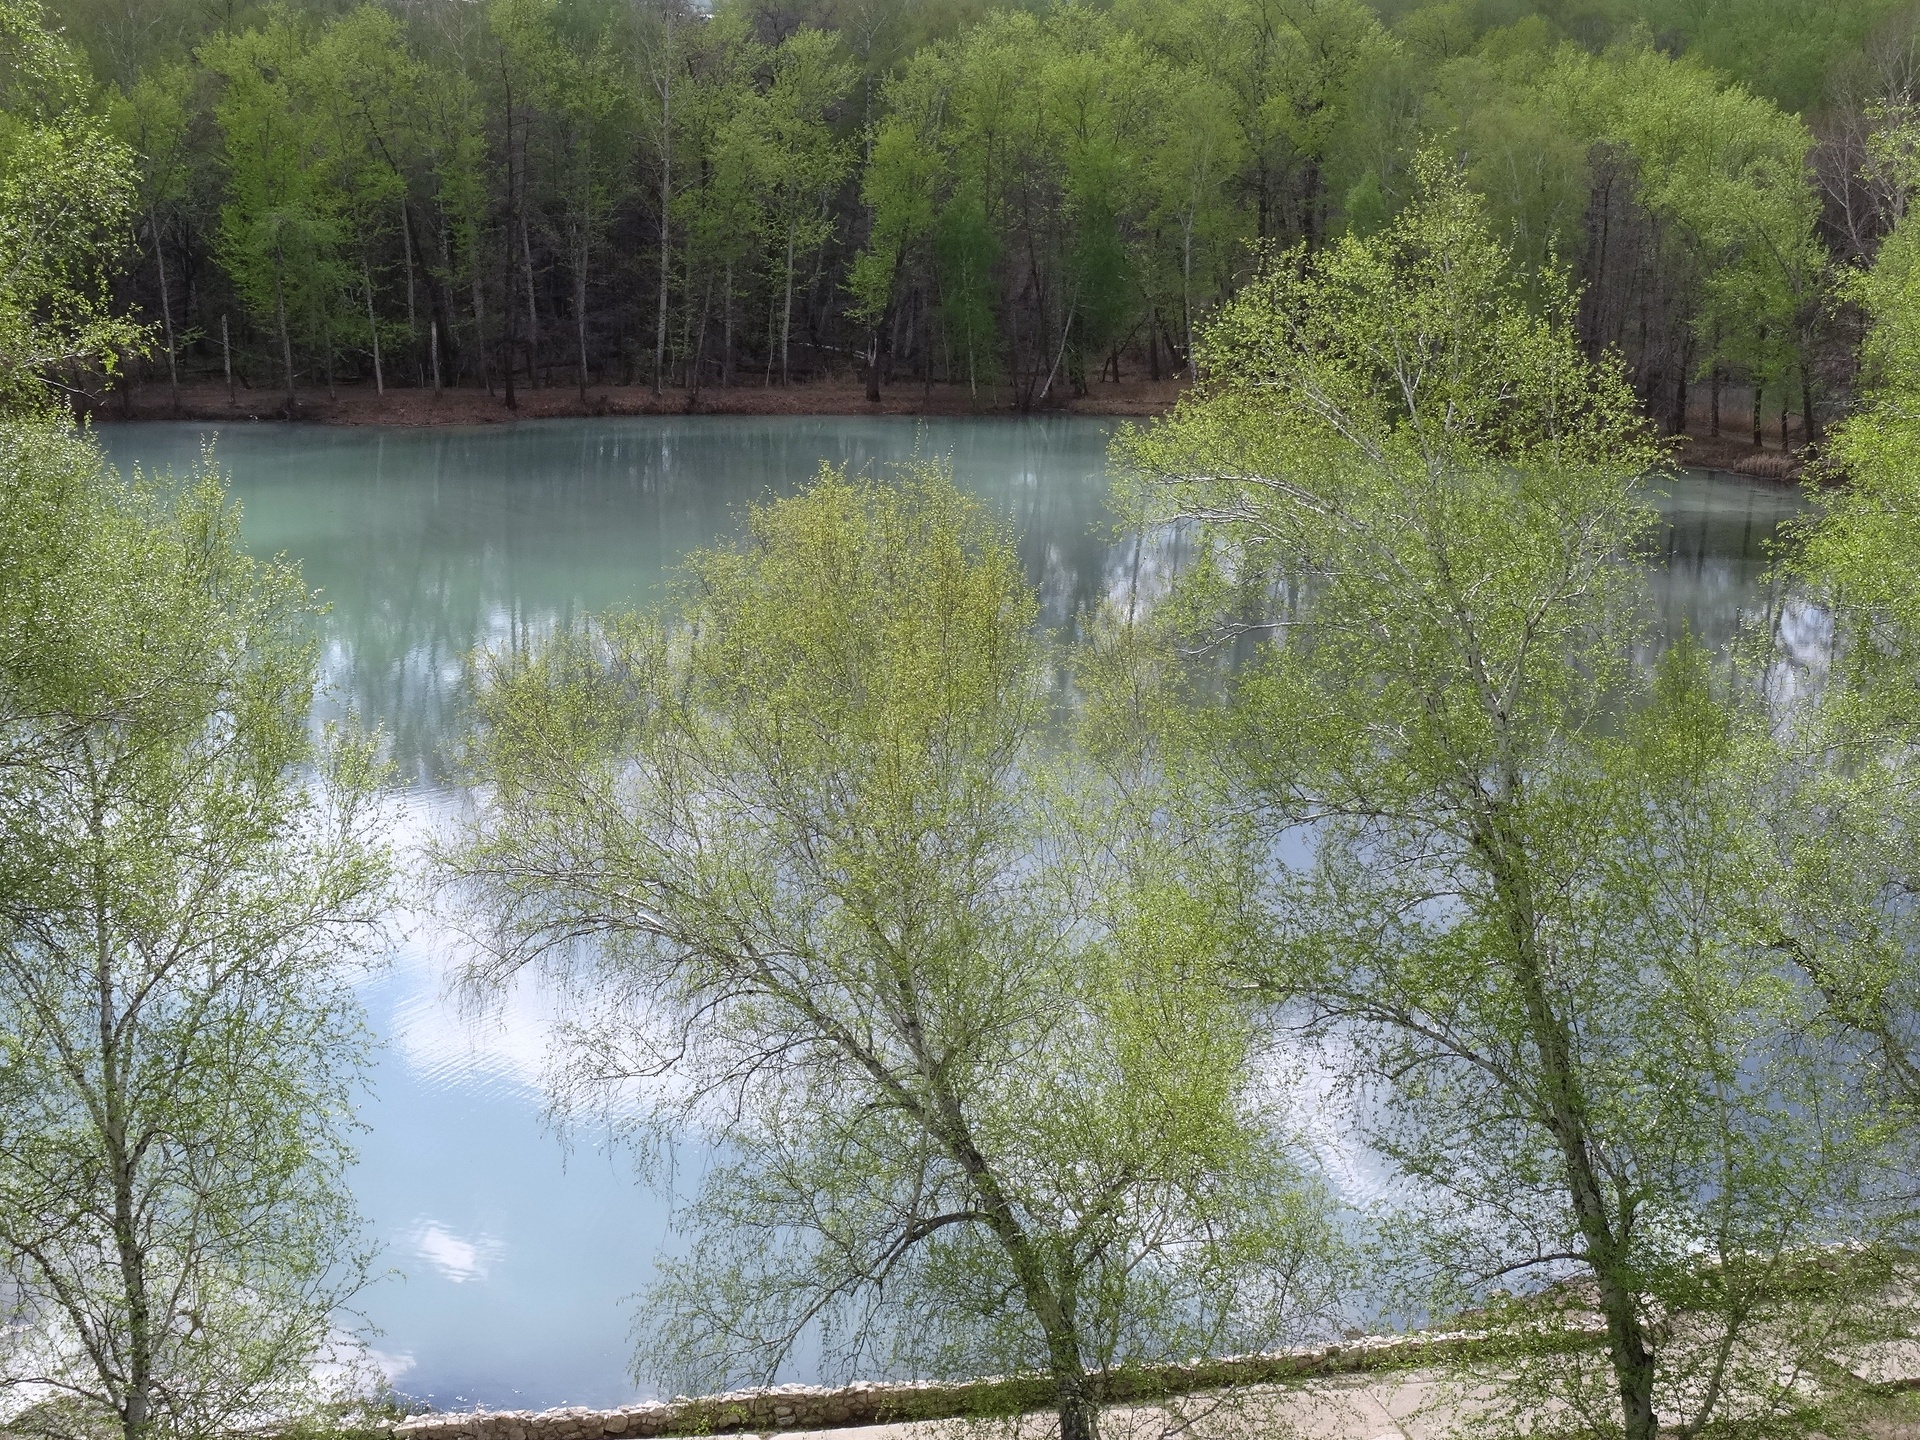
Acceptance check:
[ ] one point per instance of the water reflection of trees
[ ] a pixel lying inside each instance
(487, 539)
(1711, 574)
(429, 543)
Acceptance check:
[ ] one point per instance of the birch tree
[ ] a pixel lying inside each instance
(151, 120)
(798, 161)
(281, 234)
(962, 1035)
(66, 196)
(184, 873)
(1533, 920)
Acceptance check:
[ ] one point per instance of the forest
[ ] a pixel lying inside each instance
(1017, 1000)
(1024, 200)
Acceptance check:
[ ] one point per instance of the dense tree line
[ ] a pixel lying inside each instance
(1029, 197)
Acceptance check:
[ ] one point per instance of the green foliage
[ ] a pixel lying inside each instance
(1535, 915)
(282, 229)
(1194, 157)
(1015, 177)
(1290, 73)
(1861, 549)
(1725, 173)
(958, 1025)
(183, 871)
(720, 215)
(1721, 173)
(151, 119)
(1501, 387)
(1848, 822)
(1783, 49)
(1023, 194)
(580, 109)
(66, 191)
(1524, 153)
(323, 132)
(365, 87)
(793, 161)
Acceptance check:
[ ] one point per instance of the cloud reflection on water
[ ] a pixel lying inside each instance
(454, 1257)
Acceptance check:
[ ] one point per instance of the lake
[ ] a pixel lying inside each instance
(512, 1254)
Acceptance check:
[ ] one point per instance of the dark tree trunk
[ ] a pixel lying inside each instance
(666, 204)
(533, 315)
(480, 331)
(786, 313)
(166, 309)
(880, 334)
(1679, 418)
(512, 329)
(1311, 186)
(1079, 1416)
(1564, 1111)
(506, 254)
(136, 1402)
(413, 320)
(697, 369)
(580, 310)
(280, 318)
(373, 327)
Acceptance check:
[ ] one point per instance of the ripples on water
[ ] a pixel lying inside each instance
(513, 1256)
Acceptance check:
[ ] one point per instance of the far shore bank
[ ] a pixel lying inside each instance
(406, 405)
(465, 405)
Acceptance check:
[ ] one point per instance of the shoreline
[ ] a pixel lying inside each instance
(1739, 457)
(355, 405)
(360, 405)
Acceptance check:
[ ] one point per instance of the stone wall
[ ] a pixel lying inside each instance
(812, 1407)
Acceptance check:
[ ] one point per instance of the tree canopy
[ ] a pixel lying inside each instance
(1022, 199)
(66, 193)
(1532, 908)
(969, 1050)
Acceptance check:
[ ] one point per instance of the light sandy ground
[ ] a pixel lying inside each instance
(1408, 1405)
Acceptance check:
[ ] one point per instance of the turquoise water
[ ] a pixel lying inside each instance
(512, 1253)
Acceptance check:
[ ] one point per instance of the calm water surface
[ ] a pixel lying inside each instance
(512, 1256)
